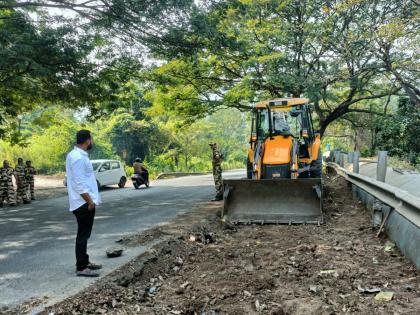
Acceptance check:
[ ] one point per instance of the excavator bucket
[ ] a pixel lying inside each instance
(275, 201)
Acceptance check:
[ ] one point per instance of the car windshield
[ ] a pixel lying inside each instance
(95, 165)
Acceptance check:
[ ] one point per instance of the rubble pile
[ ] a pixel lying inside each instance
(207, 269)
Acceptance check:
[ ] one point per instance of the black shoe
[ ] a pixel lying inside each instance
(26, 202)
(217, 199)
(93, 266)
(87, 273)
(32, 198)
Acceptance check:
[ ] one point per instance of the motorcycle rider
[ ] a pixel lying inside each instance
(140, 169)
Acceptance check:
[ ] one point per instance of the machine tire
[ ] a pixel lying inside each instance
(316, 166)
(136, 186)
(122, 182)
(249, 169)
(98, 184)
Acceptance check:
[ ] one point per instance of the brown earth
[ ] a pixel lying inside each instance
(49, 187)
(204, 267)
(48, 193)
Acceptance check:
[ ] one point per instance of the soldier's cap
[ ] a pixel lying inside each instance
(212, 144)
(28, 161)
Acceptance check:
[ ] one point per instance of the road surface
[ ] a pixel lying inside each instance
(37, 240)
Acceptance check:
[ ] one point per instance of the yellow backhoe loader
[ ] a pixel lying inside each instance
(284, 168)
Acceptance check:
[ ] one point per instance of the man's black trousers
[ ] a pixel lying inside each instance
(85, 219)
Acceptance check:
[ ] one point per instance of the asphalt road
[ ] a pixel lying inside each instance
(37, 240)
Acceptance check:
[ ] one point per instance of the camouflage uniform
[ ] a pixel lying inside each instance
(21, 184)
(217, 171)
(7, 192)
(30, 173)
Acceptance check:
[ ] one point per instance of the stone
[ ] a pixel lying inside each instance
(114, 252)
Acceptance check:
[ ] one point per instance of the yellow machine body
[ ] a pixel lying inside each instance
(283, 182)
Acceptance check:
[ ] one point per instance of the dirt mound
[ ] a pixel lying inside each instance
(143, 238)
(211, 268)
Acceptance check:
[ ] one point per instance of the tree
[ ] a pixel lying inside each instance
(134, 22)
(49, 135)
(398, 132)
(129, 129)
(81, 60)
(44, 64)
(187, 145)
(266, 49)
(131, 137)
(212, 55)
(398, 45)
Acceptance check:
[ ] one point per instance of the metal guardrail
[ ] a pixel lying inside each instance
(401, 201)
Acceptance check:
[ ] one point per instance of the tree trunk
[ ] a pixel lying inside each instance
(337, 113)
(411, 94)
(356, 146)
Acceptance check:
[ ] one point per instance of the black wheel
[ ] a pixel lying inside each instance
(147, 184)
(316, 166)
(122, 182)
(99, 185)
(249, 169)
(136, 186)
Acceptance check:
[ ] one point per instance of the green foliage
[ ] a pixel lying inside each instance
(47, 147)
(131, 137)
(48, 61)
(349, 57)
(187, 146)
(399, 134)
(164, 144)
(265, 49)
(35, 62)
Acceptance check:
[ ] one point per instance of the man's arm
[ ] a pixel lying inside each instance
(89, 201)
(218, 155)
(80, 184)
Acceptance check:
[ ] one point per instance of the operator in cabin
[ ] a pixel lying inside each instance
(281, 127)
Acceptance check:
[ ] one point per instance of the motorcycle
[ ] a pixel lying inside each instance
(138, 180)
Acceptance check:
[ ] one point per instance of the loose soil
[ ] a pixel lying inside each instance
(213, 268)
(47, 187)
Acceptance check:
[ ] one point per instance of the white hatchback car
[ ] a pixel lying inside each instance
(108, 172)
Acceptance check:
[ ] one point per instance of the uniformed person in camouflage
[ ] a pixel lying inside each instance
(7, 192)
(21, 184)
(217, 171)
(30, 173)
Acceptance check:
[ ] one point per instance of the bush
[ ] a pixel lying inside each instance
(398, 134)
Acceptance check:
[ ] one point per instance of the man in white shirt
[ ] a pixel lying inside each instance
(83, 198)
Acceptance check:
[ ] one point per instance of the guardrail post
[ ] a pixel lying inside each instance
(332, 156)
(356, 162)
(350, 157)
(381, 166)
(341, 159)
